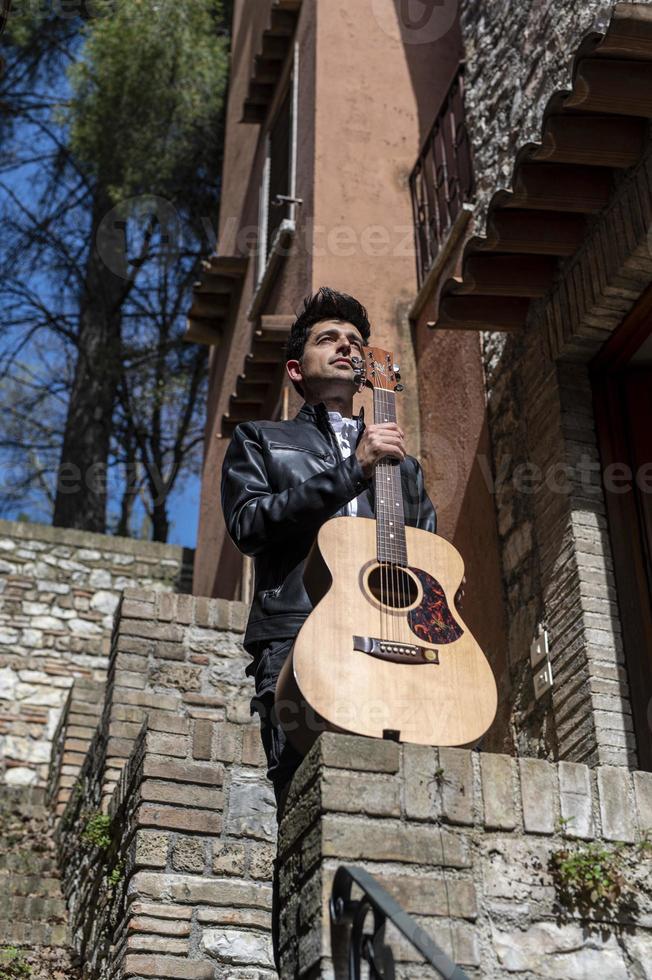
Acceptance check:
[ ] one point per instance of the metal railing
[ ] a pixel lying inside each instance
(352, 944)
(442, 180)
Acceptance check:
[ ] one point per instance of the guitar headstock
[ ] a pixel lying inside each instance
(377, 369)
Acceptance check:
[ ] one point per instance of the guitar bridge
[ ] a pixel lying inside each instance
(398, 653)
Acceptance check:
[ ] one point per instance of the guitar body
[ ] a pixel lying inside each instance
(384, 653)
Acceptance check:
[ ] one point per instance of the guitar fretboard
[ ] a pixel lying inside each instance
(390, 516)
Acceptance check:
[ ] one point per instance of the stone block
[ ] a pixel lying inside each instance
(179, 818)
(421, 792)
(227, 742)
(253, 753)
(229, 858)
(162, 743)
(261, 861)
(182, 794)
(198, 890)
(239, 946)
(159, 767)
(575, 799)
(254, 918)
(202, 739)
(357, 838)
(455, 780)
(358, 753)
(498, 791)
(151, 849)
(162, 927)
(546, 949)
(643, 796)
(354, 792)
(166, 967)
(160, 911)
(421, 894)
(538, 779)
(616, 812)
(252, 806)
(189, 854)
(143, 943)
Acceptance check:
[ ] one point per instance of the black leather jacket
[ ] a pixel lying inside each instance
(280, 482)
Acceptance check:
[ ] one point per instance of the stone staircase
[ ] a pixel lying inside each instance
(33, 920)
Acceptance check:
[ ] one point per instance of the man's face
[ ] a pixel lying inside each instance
(327, 356)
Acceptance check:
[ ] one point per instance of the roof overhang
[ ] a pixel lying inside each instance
(261, 373)
(214, 297)
(590, 137)
(269, 60)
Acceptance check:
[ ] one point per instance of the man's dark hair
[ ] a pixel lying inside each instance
(326, 304)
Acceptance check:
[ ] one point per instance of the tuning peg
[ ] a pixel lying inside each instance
(396, 368)
(397, 376)
(398, 388)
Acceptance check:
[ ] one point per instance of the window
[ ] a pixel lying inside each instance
(278, 188)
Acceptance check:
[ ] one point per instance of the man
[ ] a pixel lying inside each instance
(282, 480)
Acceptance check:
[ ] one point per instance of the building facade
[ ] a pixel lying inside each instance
(478, 176)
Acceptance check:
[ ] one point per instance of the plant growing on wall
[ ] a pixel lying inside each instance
(12, 964)
(596, 878)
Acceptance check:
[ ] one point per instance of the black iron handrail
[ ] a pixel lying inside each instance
(370, 947)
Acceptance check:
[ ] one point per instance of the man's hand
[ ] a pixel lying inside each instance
(378, 441)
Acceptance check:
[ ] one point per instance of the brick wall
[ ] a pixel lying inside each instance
(463, 841)
(58, 592)
(176, 764)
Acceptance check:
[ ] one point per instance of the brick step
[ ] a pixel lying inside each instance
(30, 795)
(42, 886)
(17, 932)
(28, 863)
(33, 909)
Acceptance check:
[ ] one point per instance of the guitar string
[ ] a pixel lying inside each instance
(394, 554)
(392, 530)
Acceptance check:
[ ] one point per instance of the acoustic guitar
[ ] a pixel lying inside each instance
(384, 652)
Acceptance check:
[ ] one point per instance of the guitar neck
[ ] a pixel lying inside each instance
(390, 515)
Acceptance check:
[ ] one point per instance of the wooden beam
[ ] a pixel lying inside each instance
(502, 314)
(533, 232)
(506, 275)
(209, 306)
(283, 23)
(200, 332)
(266, 71)
(601, 141)
(274, 48)
(233, 266)
(561, 187)
(612, 85)
(214, 284)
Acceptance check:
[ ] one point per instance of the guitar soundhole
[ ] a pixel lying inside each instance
(393, 586)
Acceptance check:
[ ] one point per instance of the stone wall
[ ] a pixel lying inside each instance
(58, 592)
(518, 53)
(464, 840)
(174, 779)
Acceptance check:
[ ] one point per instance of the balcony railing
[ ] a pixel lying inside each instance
(442, 179)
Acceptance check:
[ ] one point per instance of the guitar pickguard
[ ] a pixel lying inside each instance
(432, 621)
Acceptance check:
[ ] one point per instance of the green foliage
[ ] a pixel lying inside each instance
(589, 877)
(147, 95)
(12, 964)
(96, 831)
(116, 874)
